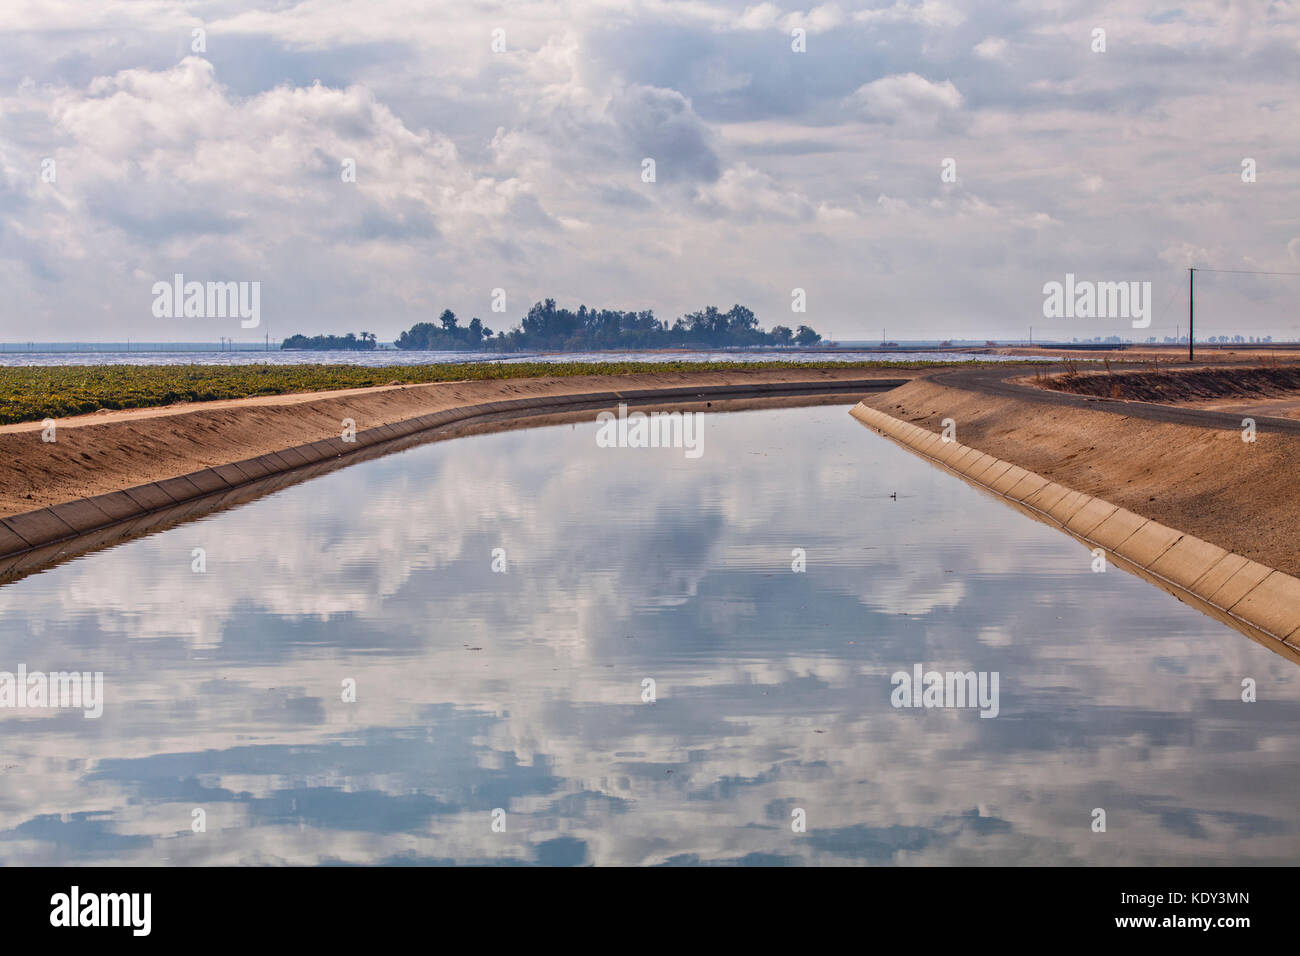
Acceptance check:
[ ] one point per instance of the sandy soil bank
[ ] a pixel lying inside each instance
(1204, 481)
(1260, 391)
(1161, 354)
(1281, 407)
(111, 450)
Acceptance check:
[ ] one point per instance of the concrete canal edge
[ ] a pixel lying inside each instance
(35, 538)
(1260, 601)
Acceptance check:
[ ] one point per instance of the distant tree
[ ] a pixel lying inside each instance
(549, 326)
(418, 337)
(806, 336)
(349, 342)
(741, 320)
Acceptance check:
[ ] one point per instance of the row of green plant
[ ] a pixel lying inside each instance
(33, 393)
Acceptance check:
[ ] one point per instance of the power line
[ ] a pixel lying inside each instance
(1247, 272)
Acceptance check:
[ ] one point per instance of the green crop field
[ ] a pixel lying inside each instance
(32, 393)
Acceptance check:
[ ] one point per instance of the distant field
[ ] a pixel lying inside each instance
(32, 393)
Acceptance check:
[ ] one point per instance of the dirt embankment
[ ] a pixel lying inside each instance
(1208, 482)
(1184, 386)
(1161, 354)
(108, 451)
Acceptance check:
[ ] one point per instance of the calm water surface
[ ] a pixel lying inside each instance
(522, 691)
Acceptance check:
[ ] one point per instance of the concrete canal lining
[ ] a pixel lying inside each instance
(1260, 601)
(34, 539)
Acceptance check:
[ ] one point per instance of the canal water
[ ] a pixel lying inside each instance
(527, 648)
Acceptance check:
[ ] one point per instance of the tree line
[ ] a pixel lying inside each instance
(350, 342)
(552, 328)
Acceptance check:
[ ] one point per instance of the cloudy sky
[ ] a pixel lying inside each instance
(221, 156)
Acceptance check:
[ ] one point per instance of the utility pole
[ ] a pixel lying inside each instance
(1191, 322)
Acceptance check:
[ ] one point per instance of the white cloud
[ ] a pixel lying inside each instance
(906, 96)
(762, 16)
(747, 192)
(817, 20)
(930, 13)
(522, 170)
(991, 48)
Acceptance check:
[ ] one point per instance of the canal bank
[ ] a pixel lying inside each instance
(1258, 600)
(1188, 468)
(91, 455)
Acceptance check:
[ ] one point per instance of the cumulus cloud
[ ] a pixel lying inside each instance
(991, 48)
(935, 13)
(750, 193)
(761, 16)
(521, 169)
(817, 20)
(661, 125)
(906, 96)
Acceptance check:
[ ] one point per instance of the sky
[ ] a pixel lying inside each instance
(503, 146)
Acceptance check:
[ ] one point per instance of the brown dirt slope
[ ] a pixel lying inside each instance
(1184, 385)
(108, 451)
(1200, 480)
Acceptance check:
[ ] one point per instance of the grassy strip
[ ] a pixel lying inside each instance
(32, 392)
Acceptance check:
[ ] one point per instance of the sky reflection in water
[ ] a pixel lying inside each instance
(522, 690)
